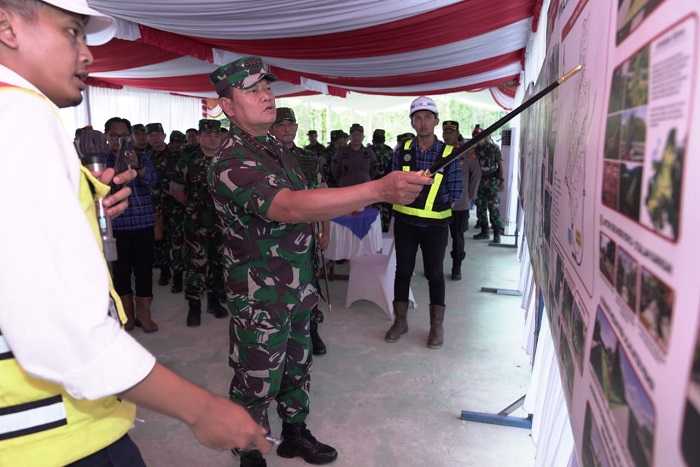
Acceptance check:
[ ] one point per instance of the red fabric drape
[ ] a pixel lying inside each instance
(119, 54)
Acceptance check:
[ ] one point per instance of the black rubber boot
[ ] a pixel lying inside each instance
(177, 283)
(194, 315)
(164, 278)
(214, 306)
(456, 271)
(483, 235)
(297, 441)
(252, 459)
(317, 344)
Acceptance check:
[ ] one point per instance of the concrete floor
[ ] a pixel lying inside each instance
(379, 404)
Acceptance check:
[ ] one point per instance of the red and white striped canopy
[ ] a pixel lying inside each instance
(391, 47)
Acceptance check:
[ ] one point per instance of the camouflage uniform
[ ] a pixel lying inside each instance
(268, 268)
(384, 158)
(160, 247)
(202, 236)
(487, 202)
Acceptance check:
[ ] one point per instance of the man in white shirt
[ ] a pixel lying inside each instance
(63, 359)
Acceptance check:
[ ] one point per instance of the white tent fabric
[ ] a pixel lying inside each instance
(252, 19)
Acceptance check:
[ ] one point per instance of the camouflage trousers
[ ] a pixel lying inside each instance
(385, 210)
(270, 354)
(176, 241)
(160, 254)
(204, 263)
(487, 204)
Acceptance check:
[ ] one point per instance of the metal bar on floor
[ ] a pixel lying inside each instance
(502, 418)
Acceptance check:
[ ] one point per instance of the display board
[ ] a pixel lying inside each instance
(610, 174)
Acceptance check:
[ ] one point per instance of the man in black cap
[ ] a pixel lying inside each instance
(266, 210)
(314, 146)
(355, 163)
(338, 141)
(192, 136)
(177, 140)
(285, 130)
(203, 250)
(384, 156)
(471, 174)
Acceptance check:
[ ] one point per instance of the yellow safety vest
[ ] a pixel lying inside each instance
(424, 205)
(40, 423)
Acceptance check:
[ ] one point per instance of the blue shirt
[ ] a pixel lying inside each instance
(140, 214)
(452, 184)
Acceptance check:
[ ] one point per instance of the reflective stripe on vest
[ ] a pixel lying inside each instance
(427, 211)
(32, 417)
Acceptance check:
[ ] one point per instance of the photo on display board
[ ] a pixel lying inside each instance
(630, 14)
(656, 308)
(630, 405)
(633, 134)
(662, 202)
(567, 364)
(630, 190)
(608, 253)
(578, 335)
(611, 185)
(613, 128)
(593, 449)
(626, 278)
(690, 446)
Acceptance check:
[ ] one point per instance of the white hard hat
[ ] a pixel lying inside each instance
(100, 28)
(423, 103)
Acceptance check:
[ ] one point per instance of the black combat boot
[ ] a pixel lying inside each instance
(483, 235)
(177, 283)
(297, 441)
(496, 236)
(194, 315)
(252, 459)
(456, 270)
(214, 306)
(164, 278)
(317, 344)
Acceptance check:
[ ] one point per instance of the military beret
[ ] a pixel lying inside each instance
(243, 73)
(209, 125)
(285, 113)
(138, 128)
(450, 124)
(177, 137)
(154, 128)
(356, 127)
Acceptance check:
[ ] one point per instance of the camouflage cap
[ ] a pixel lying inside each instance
(243, 73)
(285, 113)
(206, 124)
(138, 128)
(154, 128)
(450, 125)
(312, 132)
(356, 127)
(177, 137)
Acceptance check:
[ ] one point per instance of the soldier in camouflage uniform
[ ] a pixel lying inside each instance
(203, 243)
(314, 146)
(168, 251)
(384, 157)
(175, 218)
(487, 202)
(264, 208)
(339, 139)
(354, 163)
(285, 130)
(177, 140)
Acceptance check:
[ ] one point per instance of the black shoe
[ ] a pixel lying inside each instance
(456, 275)
(252, 459)
(297, 441)
(194, 315)
(214, 306)
(497, 237)
(317, 345)
(482, 236)
(164, 278)
(177, 283)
